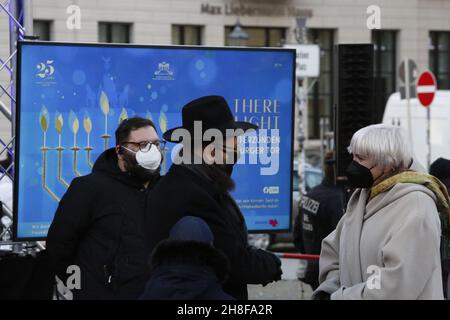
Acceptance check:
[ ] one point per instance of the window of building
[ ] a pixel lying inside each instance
(187, 35)
(320, 97)
(260, 37)
(42, 29)
(114, 32)
(439, 55)
(384, 42)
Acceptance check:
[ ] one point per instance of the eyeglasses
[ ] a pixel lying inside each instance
(229, 148)
(145, 146)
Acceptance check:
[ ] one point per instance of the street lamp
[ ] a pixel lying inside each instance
(238, 37)
(301, 34)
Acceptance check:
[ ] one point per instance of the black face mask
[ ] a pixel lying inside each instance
(359, 176)
(227, 168)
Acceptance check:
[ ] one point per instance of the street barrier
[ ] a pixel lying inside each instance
(297, 256)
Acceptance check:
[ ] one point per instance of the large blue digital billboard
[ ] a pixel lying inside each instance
(71, 98)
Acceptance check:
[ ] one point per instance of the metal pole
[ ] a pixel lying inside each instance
(297, 256)
(4, 110)
(322, 129)
(304, 104)
(428, 137)
(13, 36)
(20, 16)
(28, 17)
(301, 38)
(408, 104)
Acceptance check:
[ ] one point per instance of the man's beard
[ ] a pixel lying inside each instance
(139, 173)
(220, 174)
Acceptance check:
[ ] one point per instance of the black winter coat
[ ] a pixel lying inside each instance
(99, 227)
(184, 192)
(319, 213)
(445, 263)
(26, 278)
(187, 270)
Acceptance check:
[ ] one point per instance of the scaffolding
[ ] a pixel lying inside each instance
(20, 25)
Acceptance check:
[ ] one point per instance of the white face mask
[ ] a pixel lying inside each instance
(149, 160)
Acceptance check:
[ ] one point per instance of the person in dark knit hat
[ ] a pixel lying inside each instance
(186, 266)
(441, 170)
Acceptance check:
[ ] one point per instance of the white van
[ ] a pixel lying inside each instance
(396, 114)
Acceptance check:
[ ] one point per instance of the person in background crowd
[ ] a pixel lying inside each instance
(98, 225)
(6, 184)
(441, 170)
(202, 186)
(186, 266)
(387, 245)
(5, 164)
(319, 213)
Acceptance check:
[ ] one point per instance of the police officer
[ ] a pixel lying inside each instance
(441, 170)
(319, 212)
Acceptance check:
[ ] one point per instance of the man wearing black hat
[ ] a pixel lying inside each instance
(199, 185)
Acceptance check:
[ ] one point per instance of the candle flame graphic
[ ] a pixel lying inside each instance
(123, 115)
(44, 119)
(75, 124)
(104, 103)
(59, 122)
(148, 116)
(163, 121)
(87, 123)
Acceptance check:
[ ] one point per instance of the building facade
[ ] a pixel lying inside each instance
(416, 29)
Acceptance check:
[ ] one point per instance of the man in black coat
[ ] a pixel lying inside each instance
(98, 223)
(319, 212)
(199, 185)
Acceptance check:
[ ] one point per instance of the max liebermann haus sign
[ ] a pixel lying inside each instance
(239, 9)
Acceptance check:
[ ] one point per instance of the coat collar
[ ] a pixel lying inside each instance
(197, 177)
(360, 209)
(353, 222)
(107, 163)
(206, 184)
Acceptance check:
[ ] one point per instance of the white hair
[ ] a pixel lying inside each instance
(386, 145)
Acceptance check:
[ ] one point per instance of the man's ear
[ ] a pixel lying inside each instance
(118, 151)
(209, 154)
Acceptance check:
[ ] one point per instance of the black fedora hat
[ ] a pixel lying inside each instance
(213, 112)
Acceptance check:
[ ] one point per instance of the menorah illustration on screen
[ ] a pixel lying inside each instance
(74, 125)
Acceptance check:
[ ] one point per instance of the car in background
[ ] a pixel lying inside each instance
(311, 177)
(396, 113)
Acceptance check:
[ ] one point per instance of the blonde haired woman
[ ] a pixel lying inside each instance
(387, 245)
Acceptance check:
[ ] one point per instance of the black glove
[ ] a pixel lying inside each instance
(321, 295)
(279, 271)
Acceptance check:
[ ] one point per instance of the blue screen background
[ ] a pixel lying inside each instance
(69, 80)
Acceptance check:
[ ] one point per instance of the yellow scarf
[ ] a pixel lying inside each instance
(430, 182)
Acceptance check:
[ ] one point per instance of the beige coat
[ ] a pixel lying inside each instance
(387, 249)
